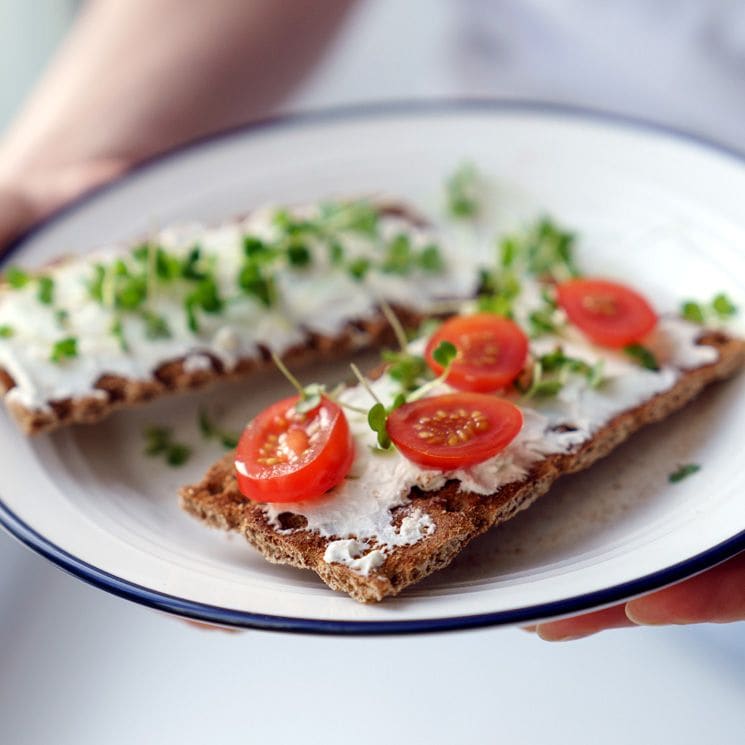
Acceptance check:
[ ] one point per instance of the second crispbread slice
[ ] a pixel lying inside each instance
(458, 516)
(109, 390)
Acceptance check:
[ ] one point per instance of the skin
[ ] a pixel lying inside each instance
(716, 596)
(210, 66)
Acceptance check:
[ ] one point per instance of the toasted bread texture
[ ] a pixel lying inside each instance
(458, 516)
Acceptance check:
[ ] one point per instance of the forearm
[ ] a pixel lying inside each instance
(140, 76)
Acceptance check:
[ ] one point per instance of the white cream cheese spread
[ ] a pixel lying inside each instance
(363, 514)
(320, 294)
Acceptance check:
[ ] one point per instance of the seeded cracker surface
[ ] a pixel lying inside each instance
(458, 516)
(114, 392)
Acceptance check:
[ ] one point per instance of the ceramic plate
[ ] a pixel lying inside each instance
(655, 207)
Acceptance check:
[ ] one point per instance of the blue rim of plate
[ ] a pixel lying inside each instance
(244, 619)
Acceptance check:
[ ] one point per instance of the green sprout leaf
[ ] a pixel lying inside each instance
(192, 268)
(209, 430)
(117, 331)
(683, 472)
(255, 249)
(444, 353)
(95, 285)
(430, 259)
(549, 251)
(156, 327)
(399, 258)
(159, 441)
(720, 308)
(642, 356)
(693, 312)
(253, 281)
(463, 191)
(405, 368)
(509, 250)
(336, 253)
(358, 268)
(16, 277)
(64, 349)
(723, 306)
(6, 331)
(177, 454)
(542, 322)
(45, 290)
(205, 297)
(377, 418)
(298, 255)
(551, 371)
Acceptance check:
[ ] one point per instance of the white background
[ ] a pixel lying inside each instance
(78, 666)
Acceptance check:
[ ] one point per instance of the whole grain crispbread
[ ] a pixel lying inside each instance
(459, 516)
(113, 392)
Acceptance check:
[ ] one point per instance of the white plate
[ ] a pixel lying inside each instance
(654, 207)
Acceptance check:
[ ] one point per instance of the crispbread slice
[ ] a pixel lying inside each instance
(458, 516)
(113, 392)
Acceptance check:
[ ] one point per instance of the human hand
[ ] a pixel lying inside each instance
(29, 197)
(716, 596)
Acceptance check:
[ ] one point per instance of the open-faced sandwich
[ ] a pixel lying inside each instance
(194, 304)
(376, 485)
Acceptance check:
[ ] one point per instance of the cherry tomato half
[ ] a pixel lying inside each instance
(286, 456)
(454, 430)
(491, 351)
(610, 314)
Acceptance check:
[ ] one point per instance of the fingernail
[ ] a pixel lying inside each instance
(547, 636)
(634, 618)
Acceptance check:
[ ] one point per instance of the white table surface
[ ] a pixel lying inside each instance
(79, 666)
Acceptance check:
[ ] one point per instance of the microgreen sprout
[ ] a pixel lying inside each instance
(398, 329)
(210, 431)
(543, 250)
(551, 371)
(156, 327)
(463, 191)
(358, 268)
(683, 472)
(45, 290)
(403, 366)
(6, 331)
(16, 277)
(643, 356)
(720, 308)
(377, 415)
(62, 317)
(159, 441)
(117, 331)
(64, 349)
(310, 395)
(444, 355)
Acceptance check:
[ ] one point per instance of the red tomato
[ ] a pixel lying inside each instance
(491, 351)
(285, 456)
(612, 315)
(454, 430)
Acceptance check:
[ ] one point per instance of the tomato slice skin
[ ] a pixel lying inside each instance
(609, 313)
(427, 431)
(284, 456)
(492, 351)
